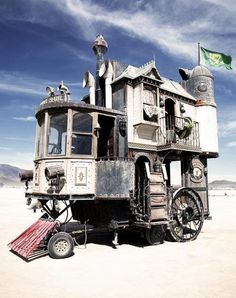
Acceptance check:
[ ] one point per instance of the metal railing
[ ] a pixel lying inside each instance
(171, 128)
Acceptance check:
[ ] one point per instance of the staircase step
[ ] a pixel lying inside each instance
(157, 188)
(156, 177)
(158, 200)
(158, 213)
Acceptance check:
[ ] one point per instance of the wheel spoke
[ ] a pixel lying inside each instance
(187, 212)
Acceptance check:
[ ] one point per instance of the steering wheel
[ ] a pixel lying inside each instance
(55, 148)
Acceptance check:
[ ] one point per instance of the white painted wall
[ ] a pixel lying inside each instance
(207, 119)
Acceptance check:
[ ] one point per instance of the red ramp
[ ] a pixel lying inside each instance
(27, 244)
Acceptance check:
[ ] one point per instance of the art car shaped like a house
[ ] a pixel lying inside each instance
(109, 157)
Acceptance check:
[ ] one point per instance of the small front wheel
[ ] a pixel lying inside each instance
(155, 235)
(60, 246)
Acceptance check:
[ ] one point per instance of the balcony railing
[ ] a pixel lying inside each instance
(177, 130)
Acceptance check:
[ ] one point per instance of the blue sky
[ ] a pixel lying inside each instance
(46, 41)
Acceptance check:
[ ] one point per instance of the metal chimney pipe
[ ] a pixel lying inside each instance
(100, 48)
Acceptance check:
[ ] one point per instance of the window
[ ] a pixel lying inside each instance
(82, 134)
(40, 136)
(57, 134)
(150, 109)
(105, 146)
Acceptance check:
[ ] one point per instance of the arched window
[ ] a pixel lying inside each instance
(82, 134)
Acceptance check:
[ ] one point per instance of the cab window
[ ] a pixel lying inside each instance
(57, 134)
(82, 134)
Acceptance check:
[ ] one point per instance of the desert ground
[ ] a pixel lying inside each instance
(205, 267)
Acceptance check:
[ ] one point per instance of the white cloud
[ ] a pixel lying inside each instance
(78, 54)
(175, 30)
(28, 118)
(227, 128)
(16, 139)
(28, 107)
(10, 87)
(231, 144)
(16, 82)
(5, 148)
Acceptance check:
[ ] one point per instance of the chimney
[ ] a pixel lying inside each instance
(100, 48)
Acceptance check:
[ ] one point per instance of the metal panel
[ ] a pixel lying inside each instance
(158, 213)
(115, 178)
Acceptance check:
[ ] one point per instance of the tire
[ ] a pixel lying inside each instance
(169, 237)
(155, 235)
(60, 246)
(187, 214)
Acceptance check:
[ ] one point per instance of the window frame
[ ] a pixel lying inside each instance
(40, 136)
(73, 113)
(155, 92)
(48, 122)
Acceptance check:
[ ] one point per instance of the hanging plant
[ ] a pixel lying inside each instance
(185, 132)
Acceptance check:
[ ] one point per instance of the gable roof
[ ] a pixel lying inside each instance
(149, 69)
(176, 88)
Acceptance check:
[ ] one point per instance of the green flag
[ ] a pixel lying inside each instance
(216, 59)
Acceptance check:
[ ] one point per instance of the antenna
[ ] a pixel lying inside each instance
(199, 49)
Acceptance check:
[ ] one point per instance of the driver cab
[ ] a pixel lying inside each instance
(73, 138)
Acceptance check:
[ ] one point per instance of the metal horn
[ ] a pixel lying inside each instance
(185, 73)
(88, 80)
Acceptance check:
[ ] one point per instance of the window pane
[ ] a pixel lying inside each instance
(57, 134)
(82, 122)
(81, 144)
(41, 134)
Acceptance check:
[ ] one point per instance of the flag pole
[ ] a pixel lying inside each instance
(198, 53)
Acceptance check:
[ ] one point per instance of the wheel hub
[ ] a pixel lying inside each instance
(61, 246)
(187, 215)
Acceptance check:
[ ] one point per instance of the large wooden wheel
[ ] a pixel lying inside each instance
(187, 215)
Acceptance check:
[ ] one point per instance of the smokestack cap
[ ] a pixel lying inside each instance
(100, 45)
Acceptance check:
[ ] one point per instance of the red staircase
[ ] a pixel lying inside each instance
(27, 244)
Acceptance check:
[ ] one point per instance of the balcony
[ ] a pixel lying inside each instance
(178, 133)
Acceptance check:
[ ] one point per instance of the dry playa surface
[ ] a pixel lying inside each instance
(205, 267)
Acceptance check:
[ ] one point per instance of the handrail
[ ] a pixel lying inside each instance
(168, 128)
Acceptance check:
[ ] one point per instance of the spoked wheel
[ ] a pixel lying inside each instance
(60, 245)
(187, 215)
(155, 235)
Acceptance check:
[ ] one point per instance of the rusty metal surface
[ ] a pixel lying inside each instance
(114, 178)
(28, 241)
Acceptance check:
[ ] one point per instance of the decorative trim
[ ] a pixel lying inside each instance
(196, 170)
(142, 146)
(81, 176)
